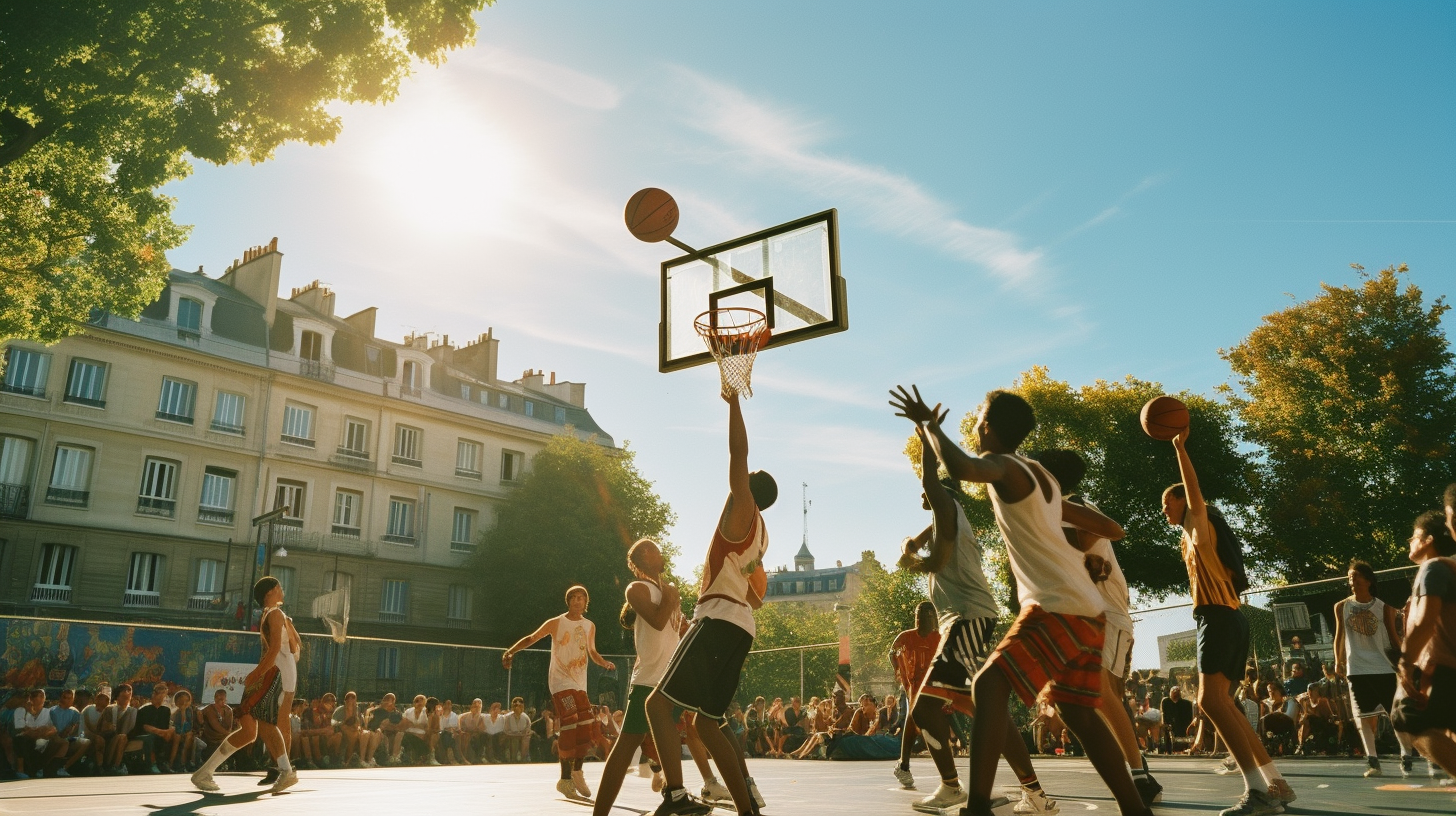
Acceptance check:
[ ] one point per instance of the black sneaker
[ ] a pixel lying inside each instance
(269, 777)
(677, 802)
(1148, 788)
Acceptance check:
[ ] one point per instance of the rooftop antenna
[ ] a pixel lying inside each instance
(807, 505)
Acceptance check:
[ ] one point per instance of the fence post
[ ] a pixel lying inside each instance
(508, 682)
(801, 674)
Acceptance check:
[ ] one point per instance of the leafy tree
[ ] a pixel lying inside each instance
(776, 674)
(885, 608)
(1352, 397)
(103, 102)
(578, 510)
(1127, 470)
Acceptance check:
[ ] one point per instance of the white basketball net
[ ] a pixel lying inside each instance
(734, 335)
(333, 609)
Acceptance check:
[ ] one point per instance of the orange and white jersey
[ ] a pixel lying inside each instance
(571, 643)
(732, 574)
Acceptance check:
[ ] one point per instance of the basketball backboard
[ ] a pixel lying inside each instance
(789, 272)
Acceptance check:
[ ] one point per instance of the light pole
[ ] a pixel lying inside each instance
(261, 554)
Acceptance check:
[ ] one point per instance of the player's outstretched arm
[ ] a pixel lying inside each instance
(527, 642)
(1189, 476)
(942, 505)
(739, 514)
(958, 463)
(1085, 518)
(657, 615)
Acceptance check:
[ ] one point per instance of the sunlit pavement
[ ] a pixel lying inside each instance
(1332, 787)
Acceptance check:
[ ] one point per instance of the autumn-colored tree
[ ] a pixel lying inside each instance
(1127, 471)
(104, 101)
(577, 511)
(1352, 397)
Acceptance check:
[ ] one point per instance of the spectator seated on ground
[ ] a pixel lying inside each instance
(34, 736)
(359, 742)
(495, 734)
(1278, 727)
(154, 728)
(863, 740)
(755, 729)
(1317, 722)
(1148, 725)
(122, 719)
(1177, 715)
(517, 733)
(449, 749)
(217, 723)
(890, 720)
(472, 733)
(388, 721)
(185, 728)
(92, 718)
(298, 748)
(66, 718)
(819, 726)
(416, 721)
(795, 716)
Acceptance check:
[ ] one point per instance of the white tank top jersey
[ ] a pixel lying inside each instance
(1049, 572)
(654, 646)
(1366, 637)
(570, 641)
(724, 588)
(1115, 599)
(960, 588)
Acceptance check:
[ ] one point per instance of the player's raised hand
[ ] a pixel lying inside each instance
(913, 407)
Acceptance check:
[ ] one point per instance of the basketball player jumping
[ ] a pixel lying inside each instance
(703, 674)
(1365, 634)
(573, 643)
(262, 689)
(961, 594)
(1058, 635)
(1068, 468)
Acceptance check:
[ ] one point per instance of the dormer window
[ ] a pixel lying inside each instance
(311, 346)
(189, 315)
(414, 374)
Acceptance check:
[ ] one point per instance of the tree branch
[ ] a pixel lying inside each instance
(26, 136)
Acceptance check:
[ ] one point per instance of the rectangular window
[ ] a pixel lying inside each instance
(407, 446)
(144, 580)
(394, 603)
(209, 577)
(287, 578)
(337, 580)
(290, 495)
(462, 532)
(503, 401)
(458, 605)
(15, 460)
(86, 383)
(388, 664)
(177, 400)
(189, 314)
(25, 372)
(467, 459)
(511, 465)
(373, 361)
(530, 408)
(227, 413)
(159, 480)
(560, 415)
(298, 425)
(347, 504)
(53, 579)
(413, 377)
(70, 477)
(401, 528)
(216, 504)
(356, 438)
(464, 391)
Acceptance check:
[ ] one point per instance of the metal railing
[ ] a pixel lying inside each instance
(14, 501)
(205, 602)
(404, 540)
(406, 461)
(155, 506)
(344, 532)
(132, 597)
(467, 474)
(68, 497)
(392, 617)
(170, 417)
(215, 515)
(50, 593)
(27, 390)
(227, 428)
(321, 370)
(79, 400)
(352, 459)
(296, 440)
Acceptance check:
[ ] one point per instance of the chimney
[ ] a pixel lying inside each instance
(256, 276)
(362, 321)
(315, 297)
(480, 357)
(443, 352)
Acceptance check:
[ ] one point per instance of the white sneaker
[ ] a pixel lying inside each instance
(1036, 802)
(715, 791)
(944, 797)
(432, 761)
(285, 781)
(579, 781)
(202, 780)
(567, 788)
(644, 770)
(1228, 766)
(754, 794)
(905, 778)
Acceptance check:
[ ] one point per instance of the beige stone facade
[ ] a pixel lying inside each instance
(136, 454)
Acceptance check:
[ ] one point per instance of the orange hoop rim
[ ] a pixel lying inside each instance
(743, 325)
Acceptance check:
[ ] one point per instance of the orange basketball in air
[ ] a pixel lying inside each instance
(651, 215)
(1164, 418)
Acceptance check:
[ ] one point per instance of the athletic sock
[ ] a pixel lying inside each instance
(1136, 772)
(218, 757)
(1253, 780)
(1031, 783)
(1367, 737)
(284, 766)
(1270, 773)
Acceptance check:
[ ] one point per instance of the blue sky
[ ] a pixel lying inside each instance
(1105, 189)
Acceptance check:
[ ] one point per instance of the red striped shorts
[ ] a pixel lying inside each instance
(1064, 650)
(578, 724)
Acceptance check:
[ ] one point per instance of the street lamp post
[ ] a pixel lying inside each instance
(261, 555)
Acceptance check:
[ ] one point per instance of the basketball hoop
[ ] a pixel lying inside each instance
(734, 335)
(333, 609)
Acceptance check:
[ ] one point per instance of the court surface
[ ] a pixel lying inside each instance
(1332, 787)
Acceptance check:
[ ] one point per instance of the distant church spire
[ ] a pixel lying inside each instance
(805, 559)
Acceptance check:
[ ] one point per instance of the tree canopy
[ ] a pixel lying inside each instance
(1351, 395)
(103, 102)
(885, 608)
(1127, 471)
(776, 674)
(577, 511)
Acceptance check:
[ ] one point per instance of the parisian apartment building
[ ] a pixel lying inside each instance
(135, 456)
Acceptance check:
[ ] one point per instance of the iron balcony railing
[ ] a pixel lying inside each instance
(391, 617)
(154, 506)
(21, 388)
(227, 428)
(215, 515)
(50, 593)
(205, 602)
(14, 500)
(134, 597)
(67, 496)
(317, 370)
(79, 400)
(406, 540)
(170, 417)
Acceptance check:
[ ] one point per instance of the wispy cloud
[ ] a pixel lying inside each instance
(1116, 208)
(567, 84)
(783, 142)
(830, 391)
(844, 445)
